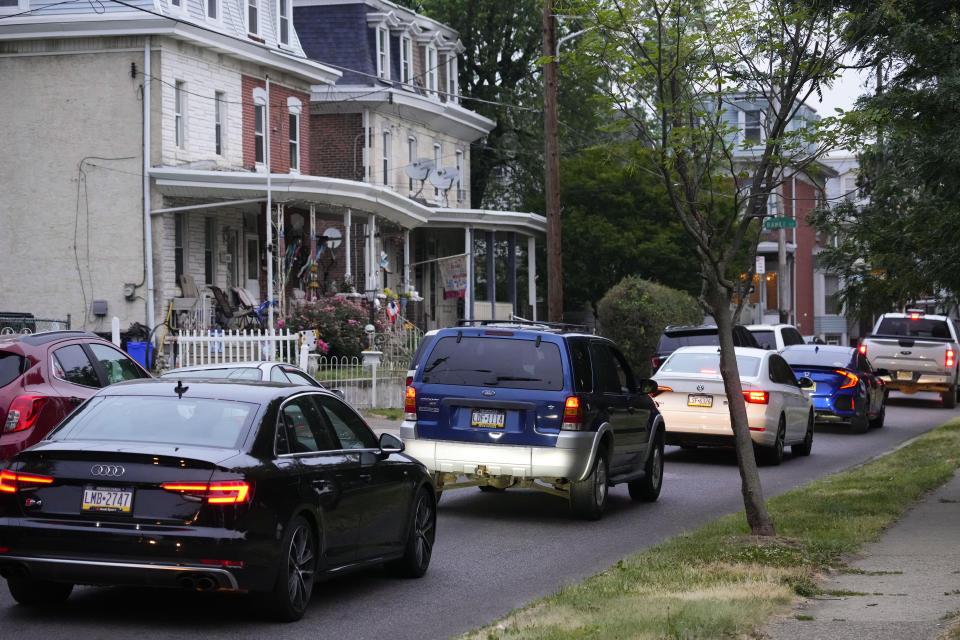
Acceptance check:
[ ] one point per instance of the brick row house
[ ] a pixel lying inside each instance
(264, 145)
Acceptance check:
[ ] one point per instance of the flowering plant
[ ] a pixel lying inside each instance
(339, 321)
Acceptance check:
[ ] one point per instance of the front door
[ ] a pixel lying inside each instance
(252, 265)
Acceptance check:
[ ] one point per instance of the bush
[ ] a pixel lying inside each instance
(634, 312)
(340, 322)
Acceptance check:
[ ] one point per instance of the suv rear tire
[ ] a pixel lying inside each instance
(588, 497)
(647, 488)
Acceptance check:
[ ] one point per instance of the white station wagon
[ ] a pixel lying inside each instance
(695, 410)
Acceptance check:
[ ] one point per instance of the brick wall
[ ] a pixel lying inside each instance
(336, 151)
(279, 126)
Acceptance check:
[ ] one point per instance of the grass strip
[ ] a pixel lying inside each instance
(720, 582)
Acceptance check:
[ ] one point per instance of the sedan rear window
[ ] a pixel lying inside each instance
(164, 420)
(708, 364)
(490, 362)
(11, 366)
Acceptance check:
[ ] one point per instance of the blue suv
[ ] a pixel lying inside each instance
(533, 405)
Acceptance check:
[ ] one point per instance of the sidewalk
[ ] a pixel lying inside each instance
(910, 581)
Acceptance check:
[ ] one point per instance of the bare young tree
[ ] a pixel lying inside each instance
(676, 67)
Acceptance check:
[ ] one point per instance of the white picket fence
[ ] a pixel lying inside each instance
(216, 346)
(362, 386)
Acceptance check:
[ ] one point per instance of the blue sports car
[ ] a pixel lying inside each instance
(847, 388)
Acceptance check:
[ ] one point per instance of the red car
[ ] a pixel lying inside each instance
(44, 376)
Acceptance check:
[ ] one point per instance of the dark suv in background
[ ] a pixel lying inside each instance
(674, 337)
(553, 408)
(44, 376)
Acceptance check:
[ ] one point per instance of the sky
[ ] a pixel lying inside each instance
(846, 89)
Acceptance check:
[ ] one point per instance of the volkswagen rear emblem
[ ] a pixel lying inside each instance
(700, 387)
(107, 470)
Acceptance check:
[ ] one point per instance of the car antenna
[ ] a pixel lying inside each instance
(816, 349)
(538, 342)
(180, 389)
(459, 336)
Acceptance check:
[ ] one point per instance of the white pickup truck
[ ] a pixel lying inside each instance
(915, 352)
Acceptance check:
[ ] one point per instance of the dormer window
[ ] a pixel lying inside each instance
(253, 17)
(213, 10)
(431, 72)
(453, 88)
(284, 20)
(406, 59)
(383, 53)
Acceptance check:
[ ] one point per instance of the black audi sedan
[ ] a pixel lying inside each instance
(211, 485)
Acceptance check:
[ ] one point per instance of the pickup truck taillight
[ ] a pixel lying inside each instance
(863, 349)
(951, 359)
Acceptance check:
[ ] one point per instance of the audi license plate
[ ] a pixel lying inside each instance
(107, 500)
(694, 400)
(490, 418)
(904, 375)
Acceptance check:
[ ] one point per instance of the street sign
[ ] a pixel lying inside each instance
(761, 265)
(779, 223)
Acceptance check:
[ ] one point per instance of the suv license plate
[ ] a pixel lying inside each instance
(487, 418)
(107, 500)
(699, 401)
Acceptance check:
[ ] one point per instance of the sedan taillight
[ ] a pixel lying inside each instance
(23, 413)
(756, 397)
(852, 379)
(226, 492)
(11, 481)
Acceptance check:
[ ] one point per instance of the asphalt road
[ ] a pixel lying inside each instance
(494, 552)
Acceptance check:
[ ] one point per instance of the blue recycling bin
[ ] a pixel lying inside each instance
(141, 352)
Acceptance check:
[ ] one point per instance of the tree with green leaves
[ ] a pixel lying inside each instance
(674, 67)
(893, 249)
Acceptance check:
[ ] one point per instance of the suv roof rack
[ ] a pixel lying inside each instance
(532, 324)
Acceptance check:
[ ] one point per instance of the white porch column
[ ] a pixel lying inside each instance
(370, 259)
(348, 248)
(406, 261)
(468, 293)
(312, 274)
(532, 274)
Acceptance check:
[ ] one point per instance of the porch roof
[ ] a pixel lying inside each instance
(527, 223)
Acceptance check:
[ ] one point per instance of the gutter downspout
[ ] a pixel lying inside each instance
(266, 133)
(366, 145)
(147, 222)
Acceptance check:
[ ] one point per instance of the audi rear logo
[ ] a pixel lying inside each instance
(108, 470)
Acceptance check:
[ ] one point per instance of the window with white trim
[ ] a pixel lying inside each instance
(259, 125)
(386, 157)
(437, 163)
(178, 111)
(383, 53)
(294, 107)
(461, 194)
(283, 12)
(406, 59)
(218, 105)
(253, 17)
(411, 157)
(209, 238)
(453, 88)
(179, 245)
(213, 9)
(176, 5)
(430, 69)
(752, 130)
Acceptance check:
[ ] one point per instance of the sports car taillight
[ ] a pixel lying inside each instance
(225, 492)
(572, 415)
(23, 413)
(11, 481)
(756, 397)
(852, 379)
(410, 404)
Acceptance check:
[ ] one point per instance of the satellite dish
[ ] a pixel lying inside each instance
(333, 238)
(444, 178)
(419, 168)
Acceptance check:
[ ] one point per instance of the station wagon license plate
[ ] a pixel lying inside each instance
(694, 400)
(107, 500)
(489, 418)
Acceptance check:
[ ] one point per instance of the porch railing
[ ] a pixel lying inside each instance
(215, 345)
(356, 381)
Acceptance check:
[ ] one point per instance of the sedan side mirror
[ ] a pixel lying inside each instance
(806, 383)
(390, 443)
(648, 386)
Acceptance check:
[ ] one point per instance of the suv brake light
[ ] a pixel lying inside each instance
(10, 481)
(410, 404)
(756, 397)
(23, 413)
(225, 492)
(572, 415)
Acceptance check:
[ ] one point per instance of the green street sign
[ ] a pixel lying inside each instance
(779, 223)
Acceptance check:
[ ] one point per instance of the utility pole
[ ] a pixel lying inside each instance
(552, 168)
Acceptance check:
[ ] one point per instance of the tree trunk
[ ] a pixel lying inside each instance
(759, 520)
